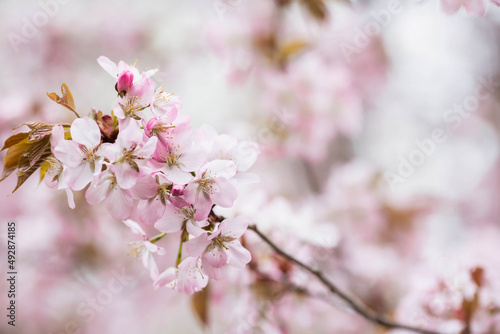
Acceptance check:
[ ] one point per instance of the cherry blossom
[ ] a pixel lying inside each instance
(221, 247)
(144, 249)
(187, 277)
(81, 155)
(211, 186)
(127, 153)
(105, 187)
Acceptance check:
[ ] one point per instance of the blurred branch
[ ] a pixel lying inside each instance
(358, 307)
(311, 176)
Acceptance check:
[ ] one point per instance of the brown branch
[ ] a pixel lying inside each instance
(359, 308)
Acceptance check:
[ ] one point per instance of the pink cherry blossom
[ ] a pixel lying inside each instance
(152, 208)
(178, 158)
(187, 278)
(221, 247)
(166, 104)
(174, 219)
(128, 152)
(144, 249)
(80, 155)
(225, 147)
(137, 99)
(116, 70)
(211, 186)
(105, 187)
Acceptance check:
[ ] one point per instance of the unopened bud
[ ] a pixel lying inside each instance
(177, 190)
(124, 82)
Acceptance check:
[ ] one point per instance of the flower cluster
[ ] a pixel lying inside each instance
(145, 160)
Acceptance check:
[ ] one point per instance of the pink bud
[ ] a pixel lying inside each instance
(124, 82)
(177, 190)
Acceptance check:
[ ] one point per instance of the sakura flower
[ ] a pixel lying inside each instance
(166, 127)
(80, 155)
(221, 247)
(166, 104)
(186, 278)
(151, 209)
(137, 98)
(178, 158)
(54, 179)
(135, 90)
(211, 186)
(225, 147)
(118, 70)
(174, 219)
(144, 249)
(127, 152)
(105, 187)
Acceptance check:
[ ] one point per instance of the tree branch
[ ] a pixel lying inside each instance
(359, 308)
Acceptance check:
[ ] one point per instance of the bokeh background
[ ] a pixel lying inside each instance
(344, 101)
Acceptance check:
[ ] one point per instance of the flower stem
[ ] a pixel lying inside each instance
(184, 237)
(158, 237)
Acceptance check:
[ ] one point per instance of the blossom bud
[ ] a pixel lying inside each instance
(177, 190)
(124, 82)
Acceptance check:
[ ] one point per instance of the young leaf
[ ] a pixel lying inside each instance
(67, 96)
(43, 169)
(66, 100)
(38, 149)
(26, 167)
(14, 139)
(13, 156)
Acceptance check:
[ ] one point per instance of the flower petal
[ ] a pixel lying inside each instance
(126, 176)
(97, 191)
(134, 227)
(150, 211)
(171, 221)
(79, 177)
(216, 256)
(196, 246)
(85, 131)
(224, 193)
(119, 204)
(238, 256)
(234, 227)
(69, 153)
(108, 65)
(165, 278)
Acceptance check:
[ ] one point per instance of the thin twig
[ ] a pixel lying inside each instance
(359, 308)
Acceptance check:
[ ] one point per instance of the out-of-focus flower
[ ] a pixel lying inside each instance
(187, 277)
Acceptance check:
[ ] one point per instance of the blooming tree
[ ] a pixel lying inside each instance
(331, 240)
